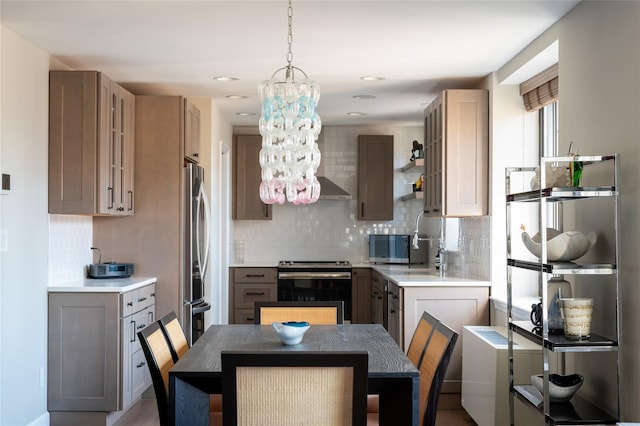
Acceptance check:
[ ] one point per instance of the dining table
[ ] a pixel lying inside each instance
(199, 372)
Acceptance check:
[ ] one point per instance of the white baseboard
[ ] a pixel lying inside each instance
(43, 420)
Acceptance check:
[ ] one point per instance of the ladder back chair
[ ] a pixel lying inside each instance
(311, 312)
(294, 388)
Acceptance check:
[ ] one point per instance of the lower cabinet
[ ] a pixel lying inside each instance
(378, 298)
(247, 286)
(361, 296)
(395, 309)
(454, 306)
(96, 368)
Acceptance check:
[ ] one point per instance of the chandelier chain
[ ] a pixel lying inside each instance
(290, 35)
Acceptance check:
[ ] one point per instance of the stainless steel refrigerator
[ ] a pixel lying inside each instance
(196, 252)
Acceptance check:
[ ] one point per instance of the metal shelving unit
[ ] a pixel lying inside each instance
(578, 411)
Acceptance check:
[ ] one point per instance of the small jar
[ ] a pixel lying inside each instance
(557, 288)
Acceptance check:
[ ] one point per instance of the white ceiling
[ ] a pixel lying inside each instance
(177, 47)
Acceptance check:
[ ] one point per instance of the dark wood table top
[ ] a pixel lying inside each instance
(386, 359)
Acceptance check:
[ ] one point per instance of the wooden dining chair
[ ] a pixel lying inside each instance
(179, 345)
(158, 355)
(294, 388)
(430, 350)
(421, 335)
(312, 312)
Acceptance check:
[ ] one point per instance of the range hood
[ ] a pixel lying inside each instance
(331, 191)
(328, 189)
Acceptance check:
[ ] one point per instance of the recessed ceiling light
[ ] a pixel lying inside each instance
(246, 114)
(371, 78)
(236, 97)
(225, 78)
(363, 97)
(357, 114)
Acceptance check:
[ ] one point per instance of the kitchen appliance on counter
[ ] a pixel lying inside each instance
(196, 252)
(110, 270)
(316, 281)
(395, 249)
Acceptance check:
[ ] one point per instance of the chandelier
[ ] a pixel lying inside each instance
(289, 126)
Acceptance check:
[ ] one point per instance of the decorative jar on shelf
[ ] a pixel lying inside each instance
(557, 288)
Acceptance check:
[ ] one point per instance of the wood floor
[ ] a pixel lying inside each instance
(145, 413)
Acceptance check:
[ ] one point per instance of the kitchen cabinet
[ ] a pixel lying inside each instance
(247, 177)
(456, 306)
(152, 239)
(596, 274)
(96, 368)
(247, 286)
(378, 298)
(191, 132)
(375, 177)
(456, 129)
(361, 296)
(395, 307)
(91, 145)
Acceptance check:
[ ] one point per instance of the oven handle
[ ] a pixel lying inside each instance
(313, 275)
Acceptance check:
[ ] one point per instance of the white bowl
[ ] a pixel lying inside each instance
(561, 388)
(561, 247)
(291, 332)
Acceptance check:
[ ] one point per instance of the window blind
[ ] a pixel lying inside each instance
(541, 89)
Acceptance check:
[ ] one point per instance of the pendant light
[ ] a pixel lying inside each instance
(289, 126)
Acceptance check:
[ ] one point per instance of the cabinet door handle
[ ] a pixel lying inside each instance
(251, 320)
(255, 275)
(142, 364)
(142, 299)
(361, 209)
(130, 201)
(251, 293)
(133, 331)
(195, 154)
(153, 295)
(141, 326)
(392, 311)
(129, 303)
(150, 316)
(110, 192)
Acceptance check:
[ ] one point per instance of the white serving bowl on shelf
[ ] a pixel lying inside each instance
(561, 246)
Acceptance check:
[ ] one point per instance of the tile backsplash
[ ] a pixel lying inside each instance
(329, 230)
(70, 240)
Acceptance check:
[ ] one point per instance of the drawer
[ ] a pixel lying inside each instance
(247, 294)
(243, 316)
(255, 275)
(138, 299)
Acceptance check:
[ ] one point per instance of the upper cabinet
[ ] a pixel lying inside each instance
(375, 177)
(247, 176)
(192, 132)
(457, 154)
(91, 145)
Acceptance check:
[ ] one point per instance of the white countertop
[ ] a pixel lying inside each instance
(115, 285)
(411, 276)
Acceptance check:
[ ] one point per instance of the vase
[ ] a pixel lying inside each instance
(557, 288)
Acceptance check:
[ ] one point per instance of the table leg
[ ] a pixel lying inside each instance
(399, 402)
(188, 405)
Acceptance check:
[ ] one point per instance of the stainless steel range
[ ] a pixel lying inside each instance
(316, 281)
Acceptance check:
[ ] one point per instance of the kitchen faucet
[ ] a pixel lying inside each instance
(441, 254)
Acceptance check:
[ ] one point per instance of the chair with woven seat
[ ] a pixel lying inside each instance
(294, 388)
(311, 312)
(430, 350)
(158, 355)
(421, 335)
(179, 345)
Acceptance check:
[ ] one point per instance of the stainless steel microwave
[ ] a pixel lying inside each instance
(395, 249)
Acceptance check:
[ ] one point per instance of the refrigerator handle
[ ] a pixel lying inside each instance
(203, 201)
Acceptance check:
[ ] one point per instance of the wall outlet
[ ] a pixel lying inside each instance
(6, 182)
(4, 240)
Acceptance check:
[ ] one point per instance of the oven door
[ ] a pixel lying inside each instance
(316, 286)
